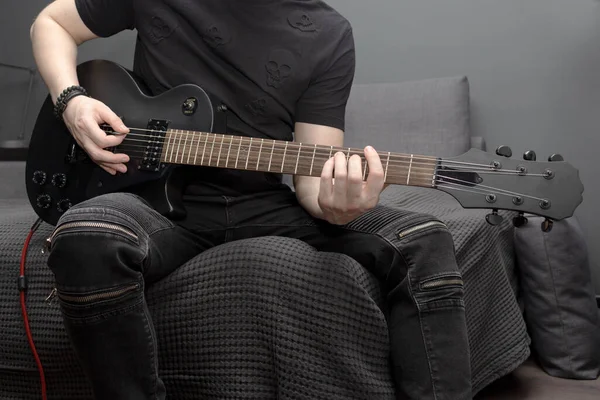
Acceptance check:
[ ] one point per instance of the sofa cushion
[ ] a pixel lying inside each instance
(558, 295)
(428, 117)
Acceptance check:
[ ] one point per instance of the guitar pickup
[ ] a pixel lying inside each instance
(154, 139)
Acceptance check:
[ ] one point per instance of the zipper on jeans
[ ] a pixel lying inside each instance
(441, 282)
(90, 224)
(416, 228)
(92, 297)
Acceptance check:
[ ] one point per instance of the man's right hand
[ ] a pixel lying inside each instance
(83, 116)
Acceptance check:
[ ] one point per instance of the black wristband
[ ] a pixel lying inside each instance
(67, 95)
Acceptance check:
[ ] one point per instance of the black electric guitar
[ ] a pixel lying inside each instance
(180, 127)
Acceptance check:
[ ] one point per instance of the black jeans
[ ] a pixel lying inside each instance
(107, 250)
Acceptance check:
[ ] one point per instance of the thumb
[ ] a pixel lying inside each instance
(108, 116)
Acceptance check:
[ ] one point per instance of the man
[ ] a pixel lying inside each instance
(280, 67)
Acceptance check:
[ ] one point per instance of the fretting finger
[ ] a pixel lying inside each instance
(340, 175)
(375, 180)
(355, 182)
(326, 184)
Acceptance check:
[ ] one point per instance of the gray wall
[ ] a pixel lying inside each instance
(534, 68)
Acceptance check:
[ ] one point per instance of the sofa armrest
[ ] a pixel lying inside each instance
(478, 142)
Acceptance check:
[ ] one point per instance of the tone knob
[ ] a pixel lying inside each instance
(39, 177)
(63, 205)
(59, 180)
(44, 201)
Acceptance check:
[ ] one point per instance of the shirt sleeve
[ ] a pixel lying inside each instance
(106, 17)
(324, 101)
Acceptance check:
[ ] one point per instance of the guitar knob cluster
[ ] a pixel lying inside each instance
(44, 201)
(59, 180)
(39, 177)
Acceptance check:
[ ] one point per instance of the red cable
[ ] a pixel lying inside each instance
(22, 289)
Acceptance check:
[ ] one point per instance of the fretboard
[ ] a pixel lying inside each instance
(278, 156)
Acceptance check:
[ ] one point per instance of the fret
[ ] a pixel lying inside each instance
(259, 151)
(330, 151)
(238, 153)
(313, 160)
(284, 151)
(248, 155)
(409, 169)
(348, 155)
(166, 149)
(198, 145)
(212, 148)
(228, 152)
(298, 159)
(178, 145)
(220, 149)
(184, 145)
(387, 164)
(204, 149)
(178, 139)
(173, 133)
(271, 158)
(364, 170)
(191, 147)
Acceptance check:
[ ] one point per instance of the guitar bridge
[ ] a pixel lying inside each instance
(153, 141)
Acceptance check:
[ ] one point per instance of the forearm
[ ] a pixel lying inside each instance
(55, 35)
(55, 52)
(307, 193)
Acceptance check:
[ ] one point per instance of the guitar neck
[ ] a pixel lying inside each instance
(285, 157)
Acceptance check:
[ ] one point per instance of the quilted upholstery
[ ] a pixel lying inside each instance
(241, 318)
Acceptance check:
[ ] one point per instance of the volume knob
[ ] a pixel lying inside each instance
(59, 180)
(44, 201)
(39, 177)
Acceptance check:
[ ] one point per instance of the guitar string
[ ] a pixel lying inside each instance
(454, 186)
(292, 145)
(483, 169)
(505, 192)
(415, 165)
(275, 156)
(424, 179)
(276, 160)
(393, 159)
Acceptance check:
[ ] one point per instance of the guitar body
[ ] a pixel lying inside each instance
(59, 173)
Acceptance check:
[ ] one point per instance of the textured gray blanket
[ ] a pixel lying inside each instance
(245, 321)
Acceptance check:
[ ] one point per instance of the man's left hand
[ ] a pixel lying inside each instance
(343, 195)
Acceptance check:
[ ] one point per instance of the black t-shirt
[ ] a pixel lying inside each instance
(272, 62)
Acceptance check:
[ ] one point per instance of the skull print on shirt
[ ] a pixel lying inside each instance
(279, 67)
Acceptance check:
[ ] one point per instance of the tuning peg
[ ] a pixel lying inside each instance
(504, 151)
(519, 221)
(529, 155)
(494, 218)
(556, 157)
(547, 225)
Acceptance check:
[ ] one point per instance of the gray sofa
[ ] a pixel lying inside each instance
(244, 321)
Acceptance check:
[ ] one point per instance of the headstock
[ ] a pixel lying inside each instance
(478, 179)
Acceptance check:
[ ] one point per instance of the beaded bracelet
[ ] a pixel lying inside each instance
(67, 95)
